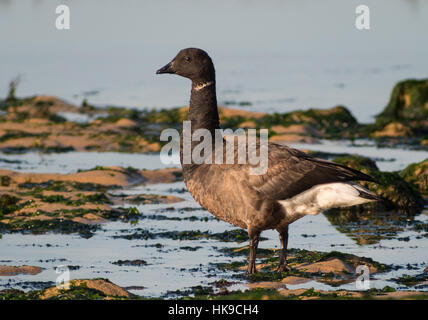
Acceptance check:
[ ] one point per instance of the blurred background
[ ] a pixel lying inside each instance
(269, 56)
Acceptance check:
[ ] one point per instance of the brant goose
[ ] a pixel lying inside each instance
(294, 185)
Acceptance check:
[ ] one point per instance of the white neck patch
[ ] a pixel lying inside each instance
(203, 85)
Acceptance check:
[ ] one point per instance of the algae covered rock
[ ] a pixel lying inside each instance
(405, 116)
(76, 202)
(409, 101)
(333, 123)
(417, 175)
(79, 289)
(394, 129)
(395, 191)
(8, 204)
(296, 126)
(331, 267)
(86, 289)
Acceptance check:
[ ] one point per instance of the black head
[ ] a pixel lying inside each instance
(192, 63)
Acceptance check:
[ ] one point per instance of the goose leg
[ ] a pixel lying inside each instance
(254, 242)
(283, 237)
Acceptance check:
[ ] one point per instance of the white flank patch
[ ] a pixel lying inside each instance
(322, 197)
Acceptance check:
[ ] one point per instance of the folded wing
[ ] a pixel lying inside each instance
(291, 172)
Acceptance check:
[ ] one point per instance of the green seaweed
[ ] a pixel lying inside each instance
(416, 175)
(334, 123)
(236, 235)
(410, 108)
(137, 262)
(56, 225)
(8, 204)
(396, 193)
(409, 280)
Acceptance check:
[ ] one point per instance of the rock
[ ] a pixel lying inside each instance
(266, 285)
(409, 101)
(333, 123)
(295, 280)
(302, 129)
(301, 133)
(75, 202)
(295, 126)
(393, 129)
(137, 262)
(230, 112)
(94, 218)
(289, 293)
(87, 221)
(161, 175)
(293, 138)
(405, 117)
(247, 124)
(291, 280)
(15, 270)
(105, 287)
(106, 176)
(417, 175)
(226, 113)
(126, 123)
(354, 161)
(334, 265)
(395, 191)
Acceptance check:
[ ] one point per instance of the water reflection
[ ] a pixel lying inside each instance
(367, 227)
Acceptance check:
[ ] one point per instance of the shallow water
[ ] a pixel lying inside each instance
(262, 63)
(80, 117)
(388, 159)
(72, 161)
(171, 266)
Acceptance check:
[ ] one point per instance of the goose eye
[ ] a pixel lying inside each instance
(187, 59)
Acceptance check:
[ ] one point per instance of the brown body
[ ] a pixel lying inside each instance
(223, 190)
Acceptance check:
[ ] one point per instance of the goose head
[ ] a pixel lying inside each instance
(192, 63)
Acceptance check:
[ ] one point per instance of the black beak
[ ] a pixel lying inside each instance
(166, 69)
